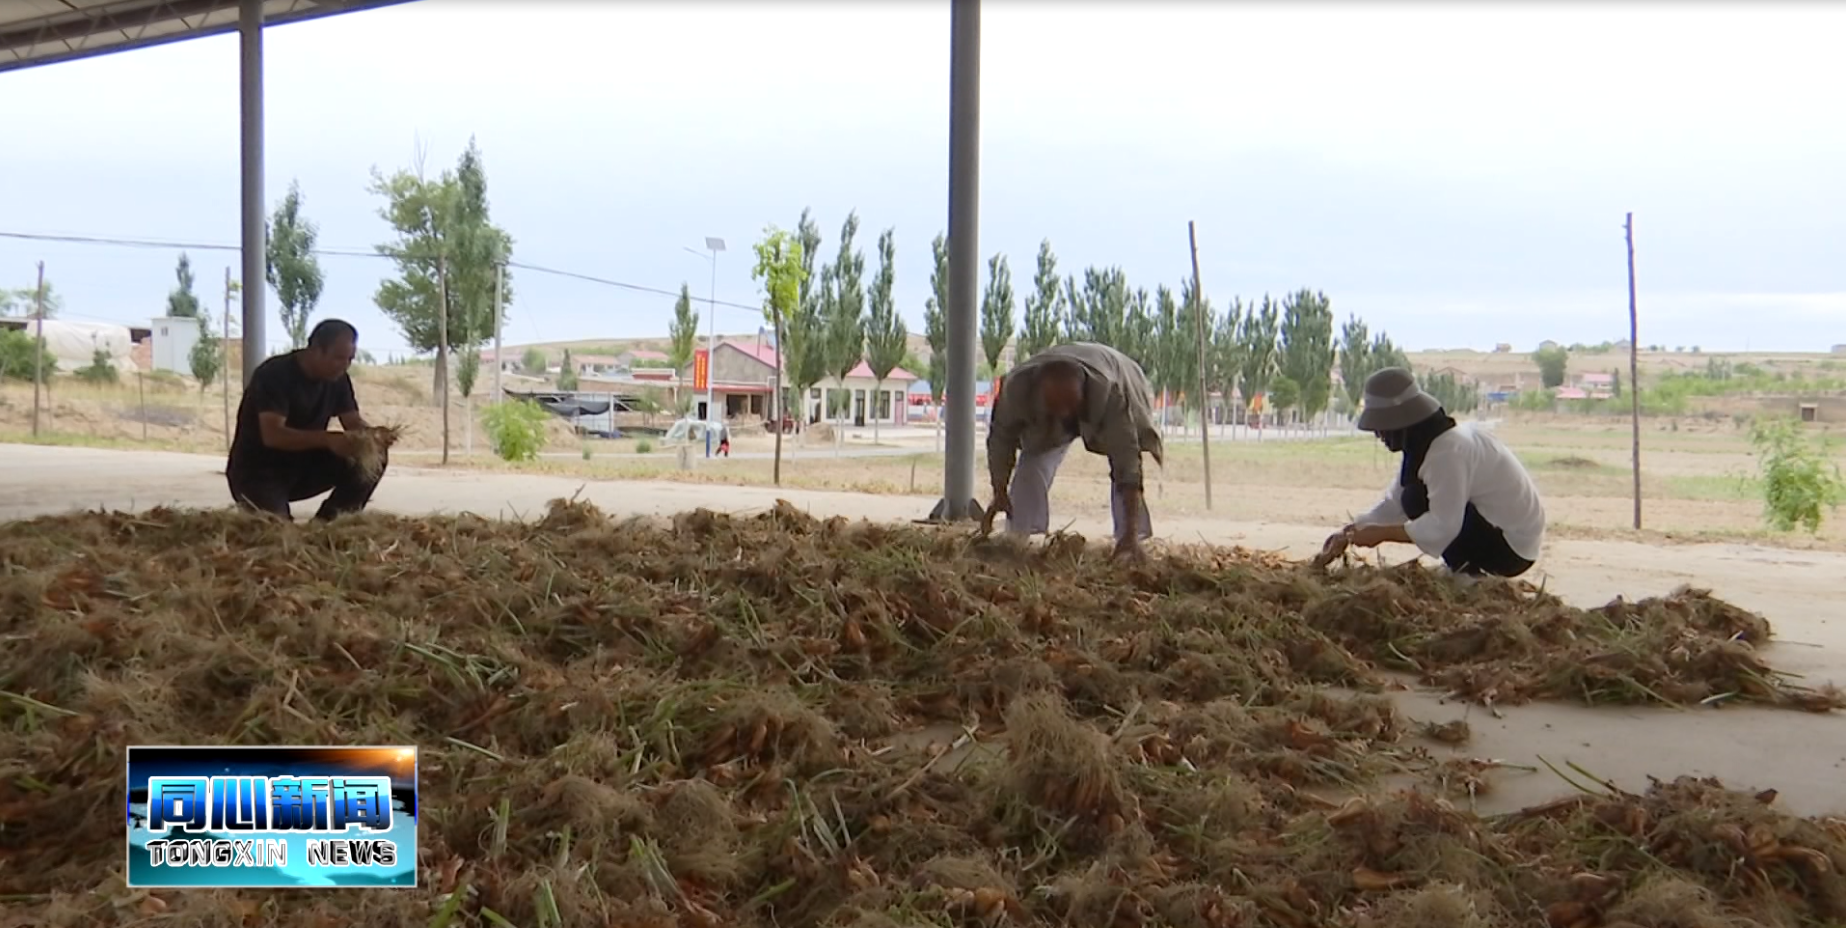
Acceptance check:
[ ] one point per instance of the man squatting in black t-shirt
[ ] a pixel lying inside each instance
(283, 451)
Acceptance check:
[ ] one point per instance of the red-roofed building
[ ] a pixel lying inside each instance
(743, 377)
(1598, 386)
(851, 396)
(642, 358)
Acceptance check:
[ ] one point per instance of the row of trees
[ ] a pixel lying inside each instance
(1285, 350)
(448, 253)
(826, 319)
(293, 271)
(446, 248)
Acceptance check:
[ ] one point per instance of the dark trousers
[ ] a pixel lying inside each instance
(302, 475)
(1481, 548)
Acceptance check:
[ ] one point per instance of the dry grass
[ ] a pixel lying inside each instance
(714, 724)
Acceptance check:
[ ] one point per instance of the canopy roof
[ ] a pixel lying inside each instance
(36, 32)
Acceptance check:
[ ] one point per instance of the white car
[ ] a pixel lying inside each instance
(692, 431)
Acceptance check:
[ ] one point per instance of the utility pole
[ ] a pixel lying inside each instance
(1634, 370)
(442, 348)
(38, 356)
(499, 294)
(1198, 310)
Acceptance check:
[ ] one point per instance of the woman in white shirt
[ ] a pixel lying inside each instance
(1460, 494)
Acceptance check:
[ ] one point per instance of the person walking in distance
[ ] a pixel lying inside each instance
(1083, 390)
(1460, 494)
(282, 451)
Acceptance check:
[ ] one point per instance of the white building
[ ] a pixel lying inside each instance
(858, 391)
(172, 338)
(742, 375)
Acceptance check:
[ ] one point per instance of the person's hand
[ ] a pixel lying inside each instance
(1002, 503)
(1367, 536)
(1129, 550)
(1335, 545)
(342, 444)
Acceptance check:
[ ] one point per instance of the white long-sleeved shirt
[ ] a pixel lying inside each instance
(1468, 465)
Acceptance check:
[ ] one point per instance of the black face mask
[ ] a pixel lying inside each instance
(1393, 440)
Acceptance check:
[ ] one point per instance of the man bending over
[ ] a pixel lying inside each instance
(283, 451)
(1083, 390)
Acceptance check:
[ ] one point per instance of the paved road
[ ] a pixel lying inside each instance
(788, 454)
(903, 443)
(1796, 589)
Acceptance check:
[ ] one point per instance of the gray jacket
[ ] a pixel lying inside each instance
(1117, 418)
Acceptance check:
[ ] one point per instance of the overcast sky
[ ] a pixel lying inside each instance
(1454, 174)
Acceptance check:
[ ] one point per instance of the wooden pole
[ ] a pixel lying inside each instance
(38, 356)
(442, 348)
(224, 358)
(468, 398)
(1634, 370)
(499, 292)
(1198, 312)
(141, 387)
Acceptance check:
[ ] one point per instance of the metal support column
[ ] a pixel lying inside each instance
(255, 286)
(964, 258)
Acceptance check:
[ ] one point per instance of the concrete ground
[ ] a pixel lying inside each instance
(1802, 755)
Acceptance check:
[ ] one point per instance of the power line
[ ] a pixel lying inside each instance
(626, 286)
(353, 253)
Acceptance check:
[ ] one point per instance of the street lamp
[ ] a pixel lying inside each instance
(712, 245)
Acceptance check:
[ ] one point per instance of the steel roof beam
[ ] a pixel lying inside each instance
(129, 24)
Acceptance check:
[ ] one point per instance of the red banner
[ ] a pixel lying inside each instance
(701, 369)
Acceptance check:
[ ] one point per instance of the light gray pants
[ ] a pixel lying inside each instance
(1031, 495)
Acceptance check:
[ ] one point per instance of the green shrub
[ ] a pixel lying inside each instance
(516, 429)
(643, 446)
(100, 371)
(1799, 481)
(16, 350)
(1535, 401)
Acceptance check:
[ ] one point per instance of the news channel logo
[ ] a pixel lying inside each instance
(271, 817)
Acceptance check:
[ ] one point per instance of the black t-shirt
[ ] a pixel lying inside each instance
(280, 385)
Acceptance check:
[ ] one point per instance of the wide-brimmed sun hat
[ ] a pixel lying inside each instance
(1394, 401)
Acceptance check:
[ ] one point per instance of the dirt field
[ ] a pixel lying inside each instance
(1696, 484)
(1698, 476)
